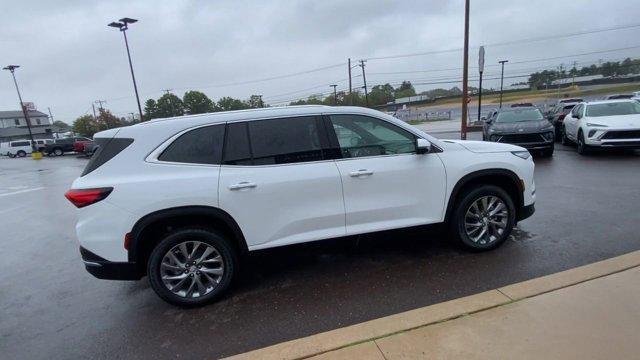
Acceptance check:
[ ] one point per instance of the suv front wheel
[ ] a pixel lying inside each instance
(483, 218)
(192, 267)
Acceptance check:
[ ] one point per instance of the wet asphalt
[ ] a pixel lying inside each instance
(588, 209)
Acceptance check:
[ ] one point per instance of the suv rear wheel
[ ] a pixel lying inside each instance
(58, 152)
(192, 267)
(483, 218)
(22, 153)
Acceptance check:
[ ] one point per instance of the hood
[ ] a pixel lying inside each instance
(485, 146)
(619, 121)
(521, 127)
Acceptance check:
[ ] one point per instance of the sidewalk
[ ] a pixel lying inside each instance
(588, 312)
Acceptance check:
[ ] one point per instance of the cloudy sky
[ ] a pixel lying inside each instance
(70, 58)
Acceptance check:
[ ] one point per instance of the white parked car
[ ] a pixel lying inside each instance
(603, 124)
(19, 148)
(180, 199)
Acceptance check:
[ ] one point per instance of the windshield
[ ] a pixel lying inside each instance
(519, 115)
(616, 108)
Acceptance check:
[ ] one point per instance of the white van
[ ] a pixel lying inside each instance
(18, 148)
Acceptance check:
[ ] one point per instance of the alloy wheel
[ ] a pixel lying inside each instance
(486, 220)
(192, 269)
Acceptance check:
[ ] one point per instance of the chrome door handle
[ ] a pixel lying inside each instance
(361, 172)
(242, 185)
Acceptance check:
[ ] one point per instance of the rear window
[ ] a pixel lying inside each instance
(199, 146)
(107, 148)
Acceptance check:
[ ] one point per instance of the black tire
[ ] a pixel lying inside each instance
(211, 238)
(565, 140)
(58, 152)
(465, 200)
(21, 153)
(583, 149)
(11, 155)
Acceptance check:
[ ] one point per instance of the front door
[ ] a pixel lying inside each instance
(277, 183)
(385, 183)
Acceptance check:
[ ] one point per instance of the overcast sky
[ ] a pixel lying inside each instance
(70, 58)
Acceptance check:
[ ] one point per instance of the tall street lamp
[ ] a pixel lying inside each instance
(12, 69)
(123, 25)
(502, 79)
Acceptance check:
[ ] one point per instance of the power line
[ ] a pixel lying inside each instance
(511, 42)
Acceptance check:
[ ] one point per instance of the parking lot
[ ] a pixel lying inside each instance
(586, 210)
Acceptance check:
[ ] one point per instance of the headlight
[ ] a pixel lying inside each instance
(548, 135)
(596, 125)
(522, 154)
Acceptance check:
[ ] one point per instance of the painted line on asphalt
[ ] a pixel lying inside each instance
(22, 191)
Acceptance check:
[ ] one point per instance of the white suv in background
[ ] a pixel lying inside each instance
(603, 124)
(180, 199)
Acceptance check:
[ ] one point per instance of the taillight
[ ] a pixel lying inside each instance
(85, 197)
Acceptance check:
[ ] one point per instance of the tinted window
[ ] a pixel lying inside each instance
(282, 141)
(519, 115)
(237, 150)
(361, 136)
(199, 146)
(107, 149)
(20, 143)
(616, 108)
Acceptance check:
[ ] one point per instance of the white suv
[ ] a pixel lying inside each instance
(603, 124)
(180, 199)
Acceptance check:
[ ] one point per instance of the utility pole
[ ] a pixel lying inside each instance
(123, 25)
(349, 66)
(465, 73)
(364, 78)
(50, 114)
(560, 69)
(12, 69)
(100, 102)
(502, 79)
(574, 70)
(335, 95)
(93, 106)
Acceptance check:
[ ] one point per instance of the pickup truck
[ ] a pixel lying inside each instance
(60, 146)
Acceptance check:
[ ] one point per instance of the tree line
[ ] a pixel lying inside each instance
(607, 69)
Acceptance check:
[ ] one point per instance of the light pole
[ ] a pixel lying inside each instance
(364, 78)
(502, 79)
(12, 69)
(335, 95)
(123, 25)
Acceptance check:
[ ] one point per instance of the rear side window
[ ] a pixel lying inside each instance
(284, 141)
(107, 148)
(20, 143)
(199, 146)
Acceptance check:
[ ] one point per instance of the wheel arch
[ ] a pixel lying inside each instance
(506, 179)
(150, 229)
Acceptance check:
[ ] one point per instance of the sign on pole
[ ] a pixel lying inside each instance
(481, 59)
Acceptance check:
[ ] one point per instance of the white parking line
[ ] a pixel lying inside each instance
(21, 191)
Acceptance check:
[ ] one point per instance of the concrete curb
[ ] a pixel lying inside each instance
(393, 324)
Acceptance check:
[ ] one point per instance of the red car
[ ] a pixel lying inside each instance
(78, 145)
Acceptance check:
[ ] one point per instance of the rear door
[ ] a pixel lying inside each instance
(279, 184)
(386, 184)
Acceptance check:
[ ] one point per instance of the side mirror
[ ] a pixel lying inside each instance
(423, 146)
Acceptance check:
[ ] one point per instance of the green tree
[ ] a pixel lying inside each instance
(169, 105)
(150, 109)
(228, 103)
(196, 102)
(381, 94)
(106, 120)
(405, 89)
(255, 101)
(85, 126)
(61, 124)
